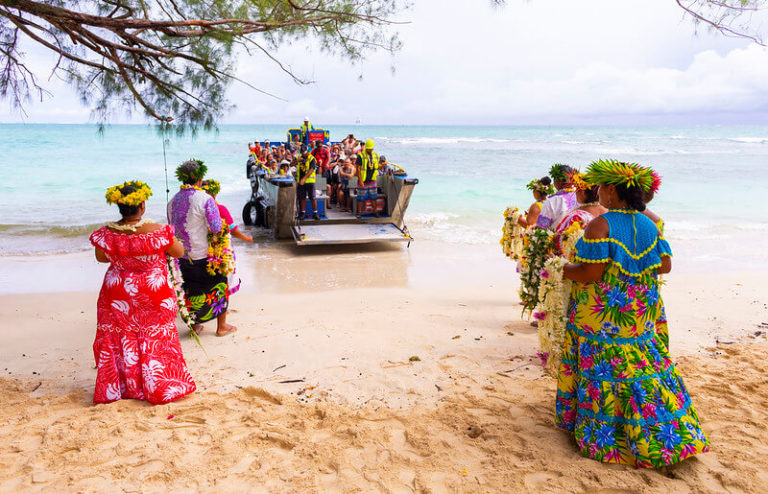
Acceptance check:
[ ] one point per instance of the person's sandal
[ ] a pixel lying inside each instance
(198, 328)
(231, 329)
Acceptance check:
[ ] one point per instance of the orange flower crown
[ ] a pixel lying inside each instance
(578, 181)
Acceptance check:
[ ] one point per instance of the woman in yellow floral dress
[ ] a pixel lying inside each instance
(618, 390)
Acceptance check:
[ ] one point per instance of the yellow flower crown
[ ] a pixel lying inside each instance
(211, 186)
(140, 194)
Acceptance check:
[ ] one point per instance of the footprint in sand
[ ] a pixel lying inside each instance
(540, 479)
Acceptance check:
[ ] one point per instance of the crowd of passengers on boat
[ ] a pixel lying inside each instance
(349, 168)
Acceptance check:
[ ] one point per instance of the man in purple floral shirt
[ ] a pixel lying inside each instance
(194, 214)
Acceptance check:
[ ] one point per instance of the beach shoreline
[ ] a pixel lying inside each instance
(319, 389)
(334, 313)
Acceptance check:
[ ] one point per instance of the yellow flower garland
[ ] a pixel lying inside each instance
(512, 234)
(221, 257)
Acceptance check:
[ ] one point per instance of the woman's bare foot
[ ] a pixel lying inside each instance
(198, 328)
(224, 331)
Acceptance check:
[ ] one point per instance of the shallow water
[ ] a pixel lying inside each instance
(52, 193)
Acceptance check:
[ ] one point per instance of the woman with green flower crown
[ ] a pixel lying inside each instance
(195, 216)
(618, 390)
(541, 189)
(137, 349)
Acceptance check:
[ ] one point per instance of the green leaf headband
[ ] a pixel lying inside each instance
(191, 175)
(559, 171)
(618, 172)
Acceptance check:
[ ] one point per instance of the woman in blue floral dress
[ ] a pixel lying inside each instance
(618, 390)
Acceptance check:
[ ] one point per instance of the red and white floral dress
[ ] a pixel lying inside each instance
(137, 349)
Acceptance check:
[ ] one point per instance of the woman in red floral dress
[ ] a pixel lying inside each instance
(137, 349)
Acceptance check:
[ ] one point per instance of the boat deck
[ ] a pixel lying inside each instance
(360, 233)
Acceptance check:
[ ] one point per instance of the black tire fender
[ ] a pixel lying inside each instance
(250, 213)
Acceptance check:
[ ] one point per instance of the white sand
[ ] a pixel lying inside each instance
(362, 417)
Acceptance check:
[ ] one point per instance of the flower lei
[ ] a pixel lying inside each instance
(187, 187)
(617, 172)
(141, 193)
(221, 258)
(537, 247)
(129, 228)
(512, 234)
(554, 294)
(176, 280)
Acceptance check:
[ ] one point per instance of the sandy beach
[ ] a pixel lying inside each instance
(359, 370)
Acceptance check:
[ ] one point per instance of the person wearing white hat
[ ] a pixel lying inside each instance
(306, 127)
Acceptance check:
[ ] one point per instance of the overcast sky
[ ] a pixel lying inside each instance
(531, 62)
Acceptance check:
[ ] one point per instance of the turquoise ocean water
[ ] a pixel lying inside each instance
(712, 197)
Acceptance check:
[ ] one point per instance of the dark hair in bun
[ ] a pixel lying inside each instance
(590, 194)
(125, 209)
(545, 180)
(633, 195)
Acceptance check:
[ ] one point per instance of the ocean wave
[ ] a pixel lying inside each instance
(443, 140)
(430, 219)
(46, 229)
(749, 140)
(448, 227)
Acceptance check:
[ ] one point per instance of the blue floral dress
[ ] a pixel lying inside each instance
(618, 390)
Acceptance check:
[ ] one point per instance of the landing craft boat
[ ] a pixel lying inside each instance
(273, 205)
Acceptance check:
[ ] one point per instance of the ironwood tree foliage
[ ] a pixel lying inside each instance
(735, 18)
(175, 57)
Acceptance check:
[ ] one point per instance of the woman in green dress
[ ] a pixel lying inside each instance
(619, 392)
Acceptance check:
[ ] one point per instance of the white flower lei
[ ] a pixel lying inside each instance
(554, 294)
(512, 234)
(128, 228)
(176, 281)
(568, 243)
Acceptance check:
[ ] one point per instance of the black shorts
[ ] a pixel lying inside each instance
(306, 191)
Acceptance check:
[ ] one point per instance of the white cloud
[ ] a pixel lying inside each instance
(543, 61)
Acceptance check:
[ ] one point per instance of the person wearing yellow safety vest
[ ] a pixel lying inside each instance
(305, 178)
(305, 128)
(367, 171)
